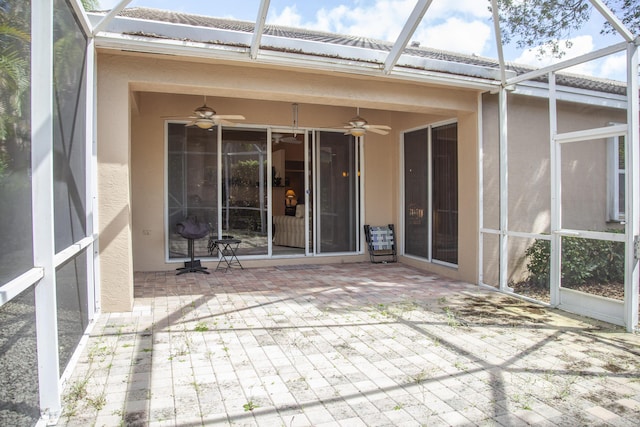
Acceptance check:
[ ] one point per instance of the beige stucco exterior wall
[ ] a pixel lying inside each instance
(114, 195)
(584, 190)
(131, 163)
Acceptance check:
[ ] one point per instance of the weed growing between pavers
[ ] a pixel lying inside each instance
(250, 406)
(77, 397)
(201, 327)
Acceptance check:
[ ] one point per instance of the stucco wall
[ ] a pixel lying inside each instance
(150, 87)
(114, 208)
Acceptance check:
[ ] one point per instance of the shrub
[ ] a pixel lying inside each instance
(583, 261)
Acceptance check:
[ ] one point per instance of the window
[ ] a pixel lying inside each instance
(616, 178)
(431, 193)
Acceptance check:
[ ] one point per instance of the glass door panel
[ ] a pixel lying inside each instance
(337, 192)
(191, 183)
(244, 189)
(416, 193)
(289, 198)
(445, 193)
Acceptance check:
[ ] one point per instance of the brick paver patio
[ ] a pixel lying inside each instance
(347, 345)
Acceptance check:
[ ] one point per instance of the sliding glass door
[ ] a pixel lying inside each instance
(416, 193)
(444, 149)
(338, 192)
(314, 190)
(244, 189)
(431, 193)
(192, 172)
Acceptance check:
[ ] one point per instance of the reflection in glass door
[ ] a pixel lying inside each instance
(444, 147)
(192, 188)
(244, 189)
(337, 202)
(416, 193)
(289, 195)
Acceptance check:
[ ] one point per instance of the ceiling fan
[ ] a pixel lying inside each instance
(358, 126)
(205, 117)
(277, 138)
(290, 138)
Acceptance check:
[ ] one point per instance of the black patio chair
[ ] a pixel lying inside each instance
(382, 243)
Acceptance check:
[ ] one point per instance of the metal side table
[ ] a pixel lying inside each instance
(227, 249)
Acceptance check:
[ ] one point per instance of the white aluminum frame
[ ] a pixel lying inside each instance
(632, 199)
(565, 298)
(42, 206)
(42, 276)
(405, 35)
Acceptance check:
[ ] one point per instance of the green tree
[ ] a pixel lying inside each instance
(90, 4)
(14, 82)
(549, 24)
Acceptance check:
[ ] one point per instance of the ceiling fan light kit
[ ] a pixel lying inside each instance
(204, 123)
(358, 126)
(356, 132)
(205, 117)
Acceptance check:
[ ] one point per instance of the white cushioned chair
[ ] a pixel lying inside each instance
(289, 230)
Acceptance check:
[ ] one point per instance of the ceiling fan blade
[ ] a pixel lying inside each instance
(220, 121)
(228, 117)
(377, 130)
(377, 127)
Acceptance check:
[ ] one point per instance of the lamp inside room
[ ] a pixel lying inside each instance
(290, 196)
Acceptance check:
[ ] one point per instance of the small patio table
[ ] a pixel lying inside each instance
(227, 249)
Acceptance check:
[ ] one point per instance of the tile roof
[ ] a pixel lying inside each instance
(173, 17)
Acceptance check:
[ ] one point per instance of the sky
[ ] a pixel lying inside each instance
(462, 26)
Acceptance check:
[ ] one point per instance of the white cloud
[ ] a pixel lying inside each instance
(474, 8)
(615, 67)
(456, 35)
(288, 17)
(447, 25)
(383, 20)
